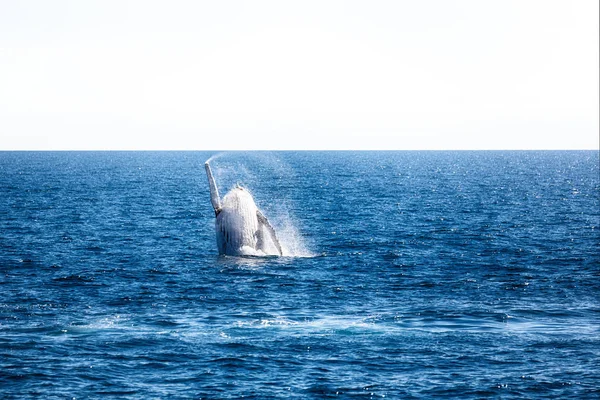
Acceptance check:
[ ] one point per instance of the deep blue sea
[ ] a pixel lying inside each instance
(407, 275)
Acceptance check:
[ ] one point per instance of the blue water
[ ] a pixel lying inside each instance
(408, 275)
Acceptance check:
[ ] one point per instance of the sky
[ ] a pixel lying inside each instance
(278, 75)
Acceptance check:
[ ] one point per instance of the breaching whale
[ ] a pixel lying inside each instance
(240, 226)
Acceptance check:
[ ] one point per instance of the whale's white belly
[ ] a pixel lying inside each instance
(237, 224)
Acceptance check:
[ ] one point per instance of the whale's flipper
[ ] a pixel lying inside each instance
(264, 222)
(214, 192)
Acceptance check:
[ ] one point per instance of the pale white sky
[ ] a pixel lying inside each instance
(207, 75)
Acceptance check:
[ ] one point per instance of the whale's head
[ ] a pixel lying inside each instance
(239, 198)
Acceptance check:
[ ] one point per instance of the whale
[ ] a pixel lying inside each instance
(241, 228)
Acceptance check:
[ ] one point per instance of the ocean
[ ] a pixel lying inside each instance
(459, 274)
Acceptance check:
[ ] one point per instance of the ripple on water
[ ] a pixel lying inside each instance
(408, 275)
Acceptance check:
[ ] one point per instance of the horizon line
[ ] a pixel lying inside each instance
(287, 150)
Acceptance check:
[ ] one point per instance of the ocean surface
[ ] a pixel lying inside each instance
(406, 275)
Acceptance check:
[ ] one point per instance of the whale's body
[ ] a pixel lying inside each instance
(241, 229)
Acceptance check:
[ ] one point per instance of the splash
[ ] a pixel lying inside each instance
(292, 242)
(215, 157)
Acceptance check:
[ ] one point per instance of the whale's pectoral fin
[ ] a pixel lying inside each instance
(263, 221)
(214, 192)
